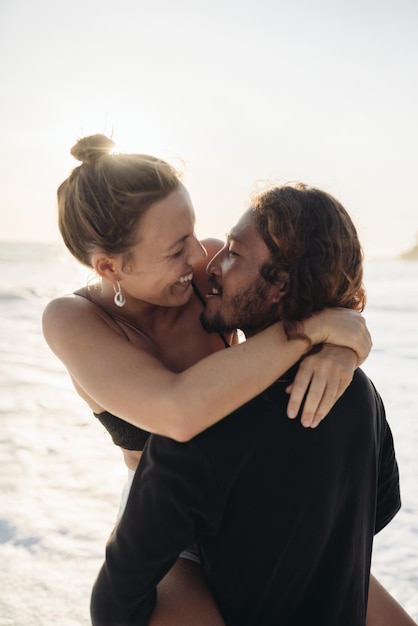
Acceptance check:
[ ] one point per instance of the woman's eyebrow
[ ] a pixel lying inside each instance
(177, 242)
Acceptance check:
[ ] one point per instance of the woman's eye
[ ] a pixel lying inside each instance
(231, 253)
(179, 253)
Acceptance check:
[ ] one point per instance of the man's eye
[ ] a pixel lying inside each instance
(231, 253)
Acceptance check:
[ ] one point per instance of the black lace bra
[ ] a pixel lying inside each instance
(123, 433)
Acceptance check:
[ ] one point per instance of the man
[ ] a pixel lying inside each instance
(283, 516)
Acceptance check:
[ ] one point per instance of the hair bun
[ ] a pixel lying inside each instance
(90, 149)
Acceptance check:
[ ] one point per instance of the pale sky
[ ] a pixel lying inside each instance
(239, 91)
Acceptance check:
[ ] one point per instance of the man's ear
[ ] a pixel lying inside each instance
(280, 287)
(105, 266)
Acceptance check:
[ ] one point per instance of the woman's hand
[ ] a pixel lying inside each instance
(322, 377)
(340, 327)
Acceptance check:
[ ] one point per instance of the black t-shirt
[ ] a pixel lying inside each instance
(284, 517)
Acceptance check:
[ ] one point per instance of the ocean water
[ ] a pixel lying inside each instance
(61, 477)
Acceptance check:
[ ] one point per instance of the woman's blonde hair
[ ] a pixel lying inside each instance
(101, 202)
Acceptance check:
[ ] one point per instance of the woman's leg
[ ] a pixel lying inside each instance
(184, 599)
(383, 609)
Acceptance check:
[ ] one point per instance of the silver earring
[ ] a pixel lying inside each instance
(119, 298)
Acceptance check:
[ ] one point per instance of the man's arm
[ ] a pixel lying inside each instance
(173, 496)
(388, 491)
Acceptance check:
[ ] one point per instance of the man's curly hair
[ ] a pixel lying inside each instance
(316, 255)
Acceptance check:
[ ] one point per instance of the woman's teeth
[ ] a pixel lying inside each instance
(185, 279)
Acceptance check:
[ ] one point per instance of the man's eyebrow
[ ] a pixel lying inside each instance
(233, 236)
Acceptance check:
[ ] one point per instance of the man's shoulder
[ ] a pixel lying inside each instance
(361, 386)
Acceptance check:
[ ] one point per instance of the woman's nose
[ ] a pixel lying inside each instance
(197, 252)
(213, 267)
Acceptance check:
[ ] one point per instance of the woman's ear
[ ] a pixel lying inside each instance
(105, 266)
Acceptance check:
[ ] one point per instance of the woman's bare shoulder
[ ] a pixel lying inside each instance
(68, 305)
(212, 247)
(73, 313)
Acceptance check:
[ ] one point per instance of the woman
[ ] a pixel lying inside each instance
(133, 343)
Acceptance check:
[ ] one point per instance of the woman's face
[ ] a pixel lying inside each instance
(160, 269)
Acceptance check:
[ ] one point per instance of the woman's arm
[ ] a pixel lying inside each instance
(138, 388)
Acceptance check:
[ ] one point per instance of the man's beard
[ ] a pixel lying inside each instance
(246, 311)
